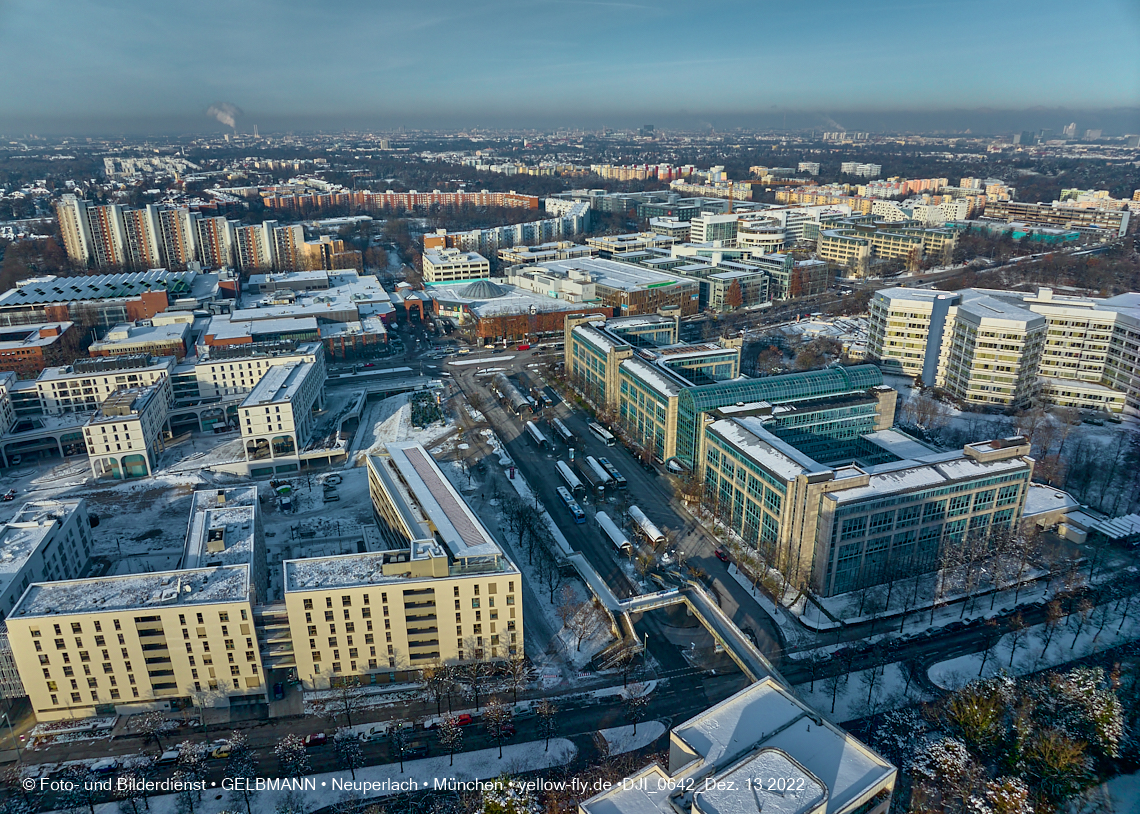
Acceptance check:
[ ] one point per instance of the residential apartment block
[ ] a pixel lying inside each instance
(277, 417)
(1005, 347)
(165, 640)
(1113, 222)
(126, 435)
(444, 593)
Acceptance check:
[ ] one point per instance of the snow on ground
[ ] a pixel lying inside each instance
(382, 780)
(1065, 645)
(1120, 794)
(855, 697)
(390, 420)
(622, 739)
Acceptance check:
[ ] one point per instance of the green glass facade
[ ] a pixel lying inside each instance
(695, 402)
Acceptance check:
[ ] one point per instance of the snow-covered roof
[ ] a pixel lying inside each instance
(222, 527)
(765, 716)
(592, 333)
(1042, 499)
(745, 788)
(903, 476)
(41, 334)
(614, 274)
(900, 444)
(752, 440)
(279, 384)
(655, 378)
(136, 591)
(1118, 528)
(27, 531)
(457, 526)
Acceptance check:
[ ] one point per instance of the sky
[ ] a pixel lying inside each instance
(96, 65)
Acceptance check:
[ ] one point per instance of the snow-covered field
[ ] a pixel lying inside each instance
(1071, 640)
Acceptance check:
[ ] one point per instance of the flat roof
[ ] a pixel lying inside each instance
(765, 716)
(747, 434)
(25, 532)
(902, 476)
(461, 531)
(48, 289)
(900, 444)
(135, 592)
(280, 383)
(514, 301)
(15, 337)
(652, 376)
(613, 273)
(135, 334)
(226, 327)
(1042, 499)
(736, 791)
(222, 519)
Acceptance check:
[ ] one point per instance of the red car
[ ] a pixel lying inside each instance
(464, 720)
(10, 494)
(319, 739)
(524, 347)
(721, 555)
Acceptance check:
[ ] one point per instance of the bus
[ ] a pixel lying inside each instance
(572, 483)
(563, 432)
(602, 434)
(646, 527)
(536, 435)
(571, 504)
(619, 479)
(615, 534)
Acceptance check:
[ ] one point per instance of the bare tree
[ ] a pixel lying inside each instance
(636, 700)
(451, 737)
(349, 755)
(547, 721)
(497, 718)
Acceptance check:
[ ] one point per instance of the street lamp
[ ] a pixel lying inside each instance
(12, 732)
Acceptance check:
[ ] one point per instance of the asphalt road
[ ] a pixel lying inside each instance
(649, 490)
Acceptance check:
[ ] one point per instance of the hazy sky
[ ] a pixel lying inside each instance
(67, 64)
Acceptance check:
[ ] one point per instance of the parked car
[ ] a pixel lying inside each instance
(10, 494)
(167, 758)
(105, 766)
(333, 478)
(278, 691)
(374, 733)
(524, 347)
(721, 555)
(464, 720)
(316, 739)
(332, 497)
(220, 752)
(416, 749)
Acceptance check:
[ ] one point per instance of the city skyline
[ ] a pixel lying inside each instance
(119, 68)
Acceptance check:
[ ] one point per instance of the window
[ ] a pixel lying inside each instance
(223, 616)
(329, 616)
(346, 601)
(308, 604)
(959, 505)
(475, 602)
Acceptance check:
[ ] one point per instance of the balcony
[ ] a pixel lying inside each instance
(421, 618)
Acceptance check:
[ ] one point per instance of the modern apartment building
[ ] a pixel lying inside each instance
(1006, 347)
(82, 386)
(451, 265)
(444, 593)
(125, 437)
(277, 417)
(722, 759)
(44, 540)
(854, 243)
(166, 640)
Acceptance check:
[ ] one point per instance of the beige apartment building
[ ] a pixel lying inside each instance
(1007, 347)
(166, 640)
(444, 594)
(277, 417)
(125, 437)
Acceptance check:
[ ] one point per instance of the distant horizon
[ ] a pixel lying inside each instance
(138, 68)
(981, 123)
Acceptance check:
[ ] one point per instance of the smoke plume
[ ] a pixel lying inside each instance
(225, 113)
